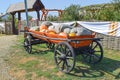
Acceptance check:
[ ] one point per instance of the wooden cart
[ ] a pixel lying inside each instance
(66, 48)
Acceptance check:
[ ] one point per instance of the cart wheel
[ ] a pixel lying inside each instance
(64, 57)
(94, 53)
(50, 45)
(27, 45)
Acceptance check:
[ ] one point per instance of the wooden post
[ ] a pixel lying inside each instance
(19, 22)
(13, 23)
(38, 17)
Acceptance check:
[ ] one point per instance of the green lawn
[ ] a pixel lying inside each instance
(40, 65)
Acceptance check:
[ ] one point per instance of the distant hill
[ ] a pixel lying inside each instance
(97, 6)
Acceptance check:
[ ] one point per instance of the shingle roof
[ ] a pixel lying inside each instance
(20, 7)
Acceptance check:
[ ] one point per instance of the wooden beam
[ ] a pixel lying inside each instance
(19, 15)
(19, 21)
(13, 23)
(38, 17)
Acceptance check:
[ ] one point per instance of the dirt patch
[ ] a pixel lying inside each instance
(42, 78)
(19, 74)
(59, 73)
(6, 43)
(24, 60)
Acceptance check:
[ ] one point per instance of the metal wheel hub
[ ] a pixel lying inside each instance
(63, 57)
(91, 51)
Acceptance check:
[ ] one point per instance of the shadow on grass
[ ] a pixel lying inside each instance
(36, 51)
(107, 65)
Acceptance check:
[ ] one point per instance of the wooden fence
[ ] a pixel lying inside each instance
(110, 42)
(8, 27)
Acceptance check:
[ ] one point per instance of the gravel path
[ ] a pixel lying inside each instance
(5, 44)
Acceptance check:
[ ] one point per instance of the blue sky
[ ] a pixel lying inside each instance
(53, 4)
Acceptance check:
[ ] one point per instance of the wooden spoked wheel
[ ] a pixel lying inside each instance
(64, 57)
(28, 45)
(93, 53)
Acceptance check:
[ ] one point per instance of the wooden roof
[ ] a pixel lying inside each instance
(20, 7)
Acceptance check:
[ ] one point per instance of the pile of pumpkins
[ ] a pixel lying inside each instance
(64, 29)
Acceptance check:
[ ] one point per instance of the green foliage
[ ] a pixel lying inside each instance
(116, 4)
(29, 17)
(9, 17)
(105, 15)
(71, 13)
(52, 18)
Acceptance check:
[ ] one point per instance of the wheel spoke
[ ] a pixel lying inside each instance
(86, 56)
(63, 65)
(67, 66)
(97, 51)
(67, 53)
(90, 58)
(59, 62)
(96, 56)
(58, 52)
(70, 62)
(95, 46)
(69, 58)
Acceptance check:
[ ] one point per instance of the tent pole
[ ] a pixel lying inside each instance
(26, 11)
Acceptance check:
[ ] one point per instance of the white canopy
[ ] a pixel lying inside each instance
(107, 28)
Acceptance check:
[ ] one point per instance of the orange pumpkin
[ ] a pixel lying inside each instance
(43, 27)
(43, 30)
(63, 34)
(51, 32)
(72, 34)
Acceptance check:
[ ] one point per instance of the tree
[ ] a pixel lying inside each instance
(71, 13)
(52, 18)
(116, 5)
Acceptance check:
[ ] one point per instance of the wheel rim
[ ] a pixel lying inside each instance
(27, 45)
(94, 53)
(64, 57)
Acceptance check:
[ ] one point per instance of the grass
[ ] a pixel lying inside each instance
(40, 65)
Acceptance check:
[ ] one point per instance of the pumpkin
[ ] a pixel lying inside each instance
(72, 34)
(63, 34)
(67, 30)
(43, 27)
(43, 30)
(46, 23)
(80, 31)
(64, 26)
(60, 27)
(51, 32)
(51, 27)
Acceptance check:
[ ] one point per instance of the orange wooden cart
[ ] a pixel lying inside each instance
(66, 48)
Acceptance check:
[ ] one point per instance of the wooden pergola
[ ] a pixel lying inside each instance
(33, 5)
